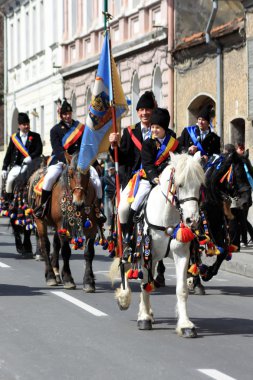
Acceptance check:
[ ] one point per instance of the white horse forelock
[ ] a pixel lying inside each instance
(187, 170)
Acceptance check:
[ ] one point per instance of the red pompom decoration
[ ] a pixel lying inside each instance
(184, 234)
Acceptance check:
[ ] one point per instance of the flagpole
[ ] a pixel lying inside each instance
(116, 152)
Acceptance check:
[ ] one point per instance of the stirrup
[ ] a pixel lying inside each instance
(39, 212)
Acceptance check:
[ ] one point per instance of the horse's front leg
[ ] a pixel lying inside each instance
(181, 253)
(68, 282)
(89, 278)
(55, 257)
(145, 315)
(45, 251)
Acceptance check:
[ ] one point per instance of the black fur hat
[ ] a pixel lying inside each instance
(161, 117)
(23, 118)
(207, 112)
(66, 107)
(147, 100)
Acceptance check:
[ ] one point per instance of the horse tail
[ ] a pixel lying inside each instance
(114, 271)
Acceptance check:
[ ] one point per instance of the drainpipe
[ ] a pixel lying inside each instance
(5, 76)
(219, 70)
(170, 4)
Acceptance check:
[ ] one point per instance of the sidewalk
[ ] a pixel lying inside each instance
(241, 263)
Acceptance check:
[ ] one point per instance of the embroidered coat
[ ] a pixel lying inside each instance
(14, 157)
(210, 144)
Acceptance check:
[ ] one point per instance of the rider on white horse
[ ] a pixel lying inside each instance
(155, 154)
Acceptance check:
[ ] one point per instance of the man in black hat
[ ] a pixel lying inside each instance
(65, 137)
(130, 147)
(23, 147)
(200, 137)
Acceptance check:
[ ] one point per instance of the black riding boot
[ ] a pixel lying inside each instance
(7, 200)
(40, 211)
(128, 231)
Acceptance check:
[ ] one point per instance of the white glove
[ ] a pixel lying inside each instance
(27, 160)
(4, 174)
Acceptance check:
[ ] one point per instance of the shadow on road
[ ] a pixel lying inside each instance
(19, 290)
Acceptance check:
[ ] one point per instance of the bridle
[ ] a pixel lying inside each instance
(175, 197)
(78, 186)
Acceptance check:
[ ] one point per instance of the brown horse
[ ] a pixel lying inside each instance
(72, 214)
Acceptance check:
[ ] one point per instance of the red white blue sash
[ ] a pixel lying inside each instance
(169, 145)
(19, 145)
(72, 135)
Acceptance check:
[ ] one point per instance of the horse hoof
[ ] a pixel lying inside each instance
(52, 282)
(189, 332)
(39, 258)
(144, 325)
(89, 288)
(122, 307)
(69, 285)
(58, 279)
(199, 290)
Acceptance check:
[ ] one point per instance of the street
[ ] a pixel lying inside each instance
(45, 334)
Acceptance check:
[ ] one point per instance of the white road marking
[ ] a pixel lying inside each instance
(2, 265)
(101, 271)
(81, 304)
(217, 375)
(220, 279)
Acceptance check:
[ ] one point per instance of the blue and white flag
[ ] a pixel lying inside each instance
(107, 91)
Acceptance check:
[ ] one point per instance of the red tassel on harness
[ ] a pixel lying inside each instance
(184, 234)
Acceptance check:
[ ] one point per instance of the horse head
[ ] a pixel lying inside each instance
(76, 181)
(187, 177)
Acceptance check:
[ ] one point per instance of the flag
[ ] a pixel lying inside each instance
(107, 91)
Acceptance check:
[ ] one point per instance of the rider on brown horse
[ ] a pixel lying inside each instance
(65, 139)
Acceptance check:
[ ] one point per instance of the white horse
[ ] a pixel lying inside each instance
(174, 200)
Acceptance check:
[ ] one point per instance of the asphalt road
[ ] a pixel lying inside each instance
(86, 336)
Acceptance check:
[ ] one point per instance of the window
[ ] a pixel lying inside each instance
(135, 98)
(42, 121)
(157, 86)
(34, 32)
(42, 32)
(18, 39)
(27, 34)
(74, 17)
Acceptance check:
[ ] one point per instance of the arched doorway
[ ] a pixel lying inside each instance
(88, 100)
(157, 86)
(135, 98)
(196, 105)
(237, 131)
(73, 103)
(14, 121)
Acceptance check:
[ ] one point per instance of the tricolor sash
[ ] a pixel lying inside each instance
(19, 145)
(136, 142)
(191, 131)
(133, 184)
(169, 145)
(72, 135)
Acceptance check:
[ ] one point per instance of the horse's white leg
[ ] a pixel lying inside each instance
(181, 255)
(145, 314)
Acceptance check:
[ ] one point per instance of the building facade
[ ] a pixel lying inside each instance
(213, 71)
(34, 30)
(139, 44)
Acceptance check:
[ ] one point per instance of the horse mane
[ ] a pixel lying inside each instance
(73, 165)
(187, 169)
